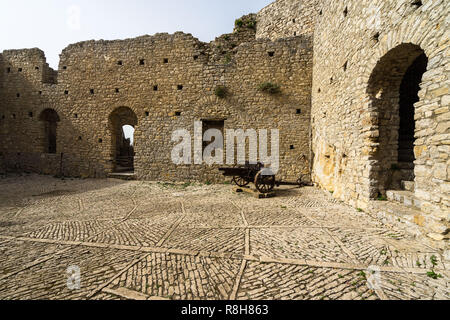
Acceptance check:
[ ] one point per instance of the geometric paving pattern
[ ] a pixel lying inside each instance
(144, 241)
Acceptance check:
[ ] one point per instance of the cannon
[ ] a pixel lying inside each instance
(262, 177)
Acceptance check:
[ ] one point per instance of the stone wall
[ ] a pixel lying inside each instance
(287, 18)
(368, 57)
(362, 51)
(164, 81)
(25, 78)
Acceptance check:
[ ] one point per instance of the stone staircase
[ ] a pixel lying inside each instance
(124, 169)
(124, 161)
(405, 196)
(403, 210)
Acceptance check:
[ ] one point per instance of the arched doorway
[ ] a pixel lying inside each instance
(394, 90)
(123, 122)
(49, 119)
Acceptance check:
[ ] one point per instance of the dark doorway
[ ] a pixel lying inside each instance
(50, 119)
(394, 90)
(212, 124)
(409, 95)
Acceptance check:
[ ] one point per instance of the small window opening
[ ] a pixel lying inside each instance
(271, 53)
(299, 111)
(180, 87)
(376, 37)
(8, 70)
(196, 57)
(36, 68)
(92, 91)
(178, 113)
(75, 116)
(142, 62)
(30, 114)
(147, 114)
(20, 69)
(166, 60)
(66, 92)
(120, 63)
(417, 4)
(117, 90)
(155, 88)
(100, 140)
(64, 67)
(18, 95)
(291, 147)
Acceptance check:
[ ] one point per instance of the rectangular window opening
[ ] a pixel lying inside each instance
(212, 124)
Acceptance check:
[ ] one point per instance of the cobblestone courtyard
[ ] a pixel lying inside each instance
(142, 240)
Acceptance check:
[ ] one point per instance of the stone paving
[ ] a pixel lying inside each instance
(143, 240)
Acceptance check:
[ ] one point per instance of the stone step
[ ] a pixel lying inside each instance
(396, 214)
(404, 197)
(411, 220)
(408, 186)
(128, 176)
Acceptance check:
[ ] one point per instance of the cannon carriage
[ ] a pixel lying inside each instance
(263, 178)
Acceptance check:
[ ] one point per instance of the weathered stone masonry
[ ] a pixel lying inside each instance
(370, 60)
(357, 92)
(166, 82)
(363, 108)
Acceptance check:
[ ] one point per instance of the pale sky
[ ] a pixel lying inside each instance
(51, 25)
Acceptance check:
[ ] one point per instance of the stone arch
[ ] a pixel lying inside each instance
(393, 89)
(122, 152)
(49, 118)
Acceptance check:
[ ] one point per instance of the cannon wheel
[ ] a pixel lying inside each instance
(264, 183)
(240, 181)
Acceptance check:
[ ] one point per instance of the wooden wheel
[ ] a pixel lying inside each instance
(240, 181)
(264, 183)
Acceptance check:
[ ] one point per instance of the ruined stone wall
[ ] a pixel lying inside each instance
(287, 18)
(168, 81)
(25, 76)
(362, 50)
